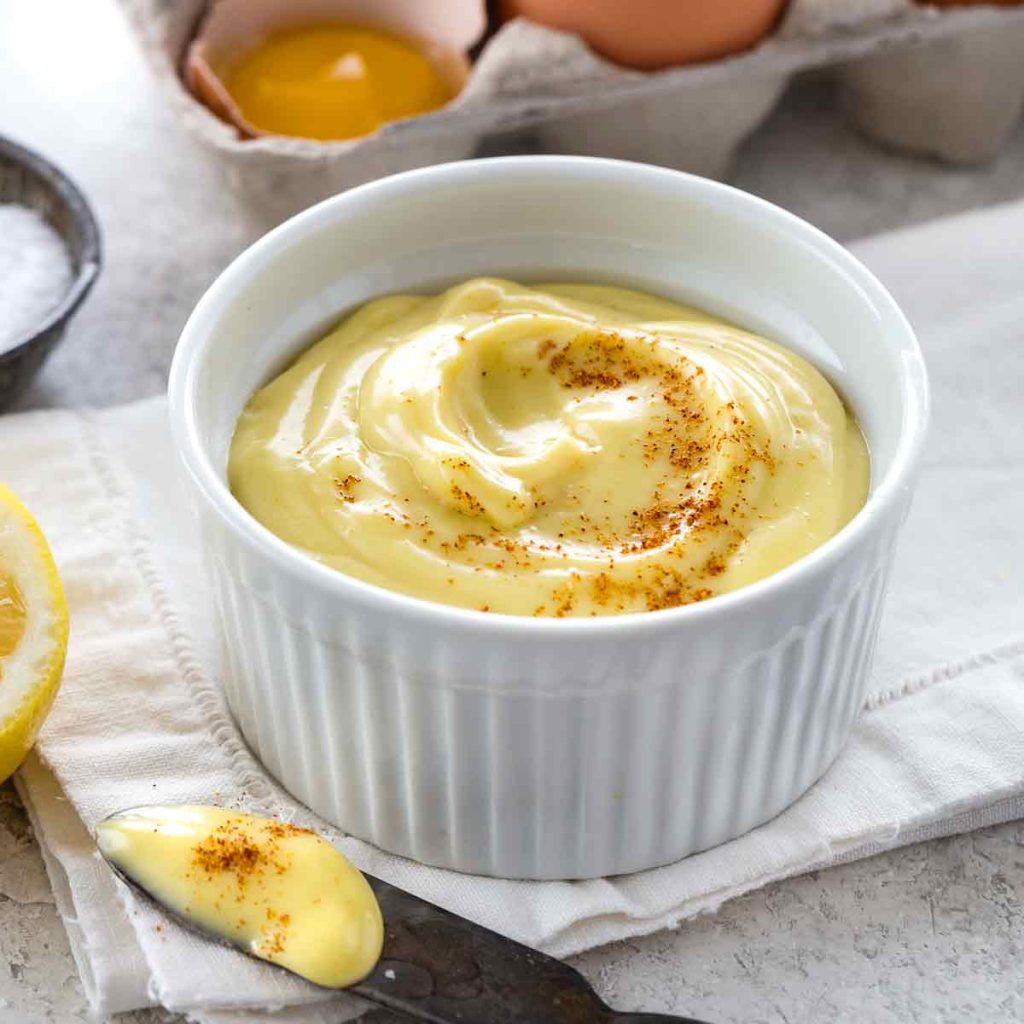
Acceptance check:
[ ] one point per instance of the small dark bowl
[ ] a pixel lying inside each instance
(26, 178)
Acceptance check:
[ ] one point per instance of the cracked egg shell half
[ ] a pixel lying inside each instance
(320, 68)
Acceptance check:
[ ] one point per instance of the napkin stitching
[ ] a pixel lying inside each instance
(218, 724)
(946, 672)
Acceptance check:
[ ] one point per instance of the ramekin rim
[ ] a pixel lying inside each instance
(214, 490)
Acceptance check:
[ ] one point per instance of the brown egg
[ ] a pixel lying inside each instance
(651, 34)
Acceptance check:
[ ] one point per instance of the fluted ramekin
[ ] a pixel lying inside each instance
(544, 748)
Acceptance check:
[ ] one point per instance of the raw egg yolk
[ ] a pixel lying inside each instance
(333, 82)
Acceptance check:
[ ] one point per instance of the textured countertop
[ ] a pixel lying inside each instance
(931, 933)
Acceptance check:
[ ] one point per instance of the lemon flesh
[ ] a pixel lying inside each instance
(33, 631)
(12, 618)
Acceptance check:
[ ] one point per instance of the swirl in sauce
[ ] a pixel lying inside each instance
(554, 450)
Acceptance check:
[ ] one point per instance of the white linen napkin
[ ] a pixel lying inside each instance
(939, 748)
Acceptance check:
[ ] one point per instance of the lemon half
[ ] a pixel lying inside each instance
(33, 631)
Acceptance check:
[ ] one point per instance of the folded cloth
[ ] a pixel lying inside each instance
(140, 719)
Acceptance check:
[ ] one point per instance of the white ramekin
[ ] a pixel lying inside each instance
(545, 748)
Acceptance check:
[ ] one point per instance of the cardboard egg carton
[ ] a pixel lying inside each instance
(946, 83)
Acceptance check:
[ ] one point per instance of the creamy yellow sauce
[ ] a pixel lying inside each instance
(553, 450)
(282, 893)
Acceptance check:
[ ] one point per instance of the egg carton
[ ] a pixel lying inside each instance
(945, 83)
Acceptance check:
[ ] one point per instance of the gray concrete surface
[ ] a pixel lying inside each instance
(933, 933)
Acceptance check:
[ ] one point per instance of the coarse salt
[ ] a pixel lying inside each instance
(35, 272)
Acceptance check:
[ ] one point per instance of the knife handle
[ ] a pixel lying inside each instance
(650, 1018)
(382, 1015)
(442, 968)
